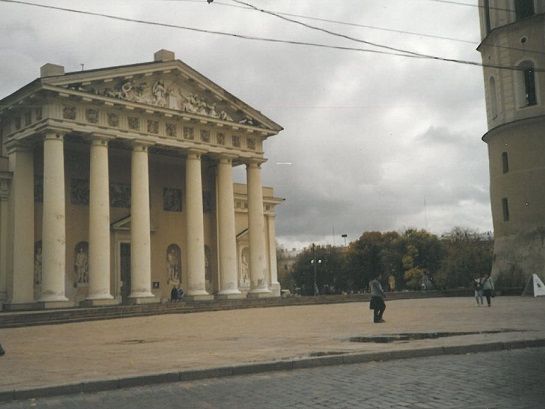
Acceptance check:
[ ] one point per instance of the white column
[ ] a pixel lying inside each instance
(99, 223)
(4, 226)
(256, 232)
(54, 221)
(226, 228)
(140, 226)
(22, 161)
(273, 267)
(196, 288)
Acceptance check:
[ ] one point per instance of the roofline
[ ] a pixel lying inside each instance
(230, 97)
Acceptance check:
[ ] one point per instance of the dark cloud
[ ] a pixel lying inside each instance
(376, 142)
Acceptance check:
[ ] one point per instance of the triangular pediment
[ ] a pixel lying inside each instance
(171, 86)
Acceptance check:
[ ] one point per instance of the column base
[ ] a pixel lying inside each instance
(260, 294)
(99, 302)
(51, 305)
(23, 306)
(230, 296)
(275, 289)
(143, 300)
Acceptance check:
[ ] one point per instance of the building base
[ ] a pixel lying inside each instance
(275, 289)
(143, 300)
(52, 305)
(20, 306)
(99, 303)
(260, 294)
(198, 297)
(234, 296)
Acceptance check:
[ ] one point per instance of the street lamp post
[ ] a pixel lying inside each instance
(344, 236)
(315, 263)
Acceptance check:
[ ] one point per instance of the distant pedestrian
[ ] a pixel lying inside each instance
(488, 288)
(377, 299)
(180, 293)
(477, 286)
(2, 352)
(174, 294)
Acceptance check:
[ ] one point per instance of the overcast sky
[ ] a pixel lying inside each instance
(375, 142)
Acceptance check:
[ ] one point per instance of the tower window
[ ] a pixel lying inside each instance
(493, 98)
(524, 8)
(505, 206)
(530, 85)
(505, 162)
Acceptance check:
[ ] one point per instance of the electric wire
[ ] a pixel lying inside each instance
(391, 50)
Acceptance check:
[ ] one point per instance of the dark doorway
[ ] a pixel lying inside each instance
(125, 270)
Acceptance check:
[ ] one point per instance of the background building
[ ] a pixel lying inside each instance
(513, 51)
(116, 185)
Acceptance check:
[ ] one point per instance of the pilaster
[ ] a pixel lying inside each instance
(4, 228)
(273, 267)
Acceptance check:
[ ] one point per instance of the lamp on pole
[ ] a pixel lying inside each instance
(315, 263)
(344, 236)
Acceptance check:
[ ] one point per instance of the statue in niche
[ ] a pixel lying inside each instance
(38, 262)
(173, 264)
(81, 263)
(244, 267)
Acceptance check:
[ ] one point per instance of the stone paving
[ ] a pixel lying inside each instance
(492, 380)
(68, 353)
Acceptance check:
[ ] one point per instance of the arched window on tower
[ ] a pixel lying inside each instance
(527, 84)
(524, 9)
(493, 98)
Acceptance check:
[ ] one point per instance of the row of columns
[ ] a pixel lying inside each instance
(99, 292)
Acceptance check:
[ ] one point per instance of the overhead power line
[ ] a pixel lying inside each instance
(376, 27)
(399, 50)
(457, 3)
(391, 50)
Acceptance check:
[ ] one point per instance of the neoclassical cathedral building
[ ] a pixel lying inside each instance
(513, 52)
(116, 185)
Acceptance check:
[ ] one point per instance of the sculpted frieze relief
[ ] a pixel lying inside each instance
(164, 93)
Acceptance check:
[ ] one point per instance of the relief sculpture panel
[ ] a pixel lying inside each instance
(168, 93)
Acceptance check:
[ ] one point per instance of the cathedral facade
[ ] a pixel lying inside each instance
(513, 55)
(116, 185)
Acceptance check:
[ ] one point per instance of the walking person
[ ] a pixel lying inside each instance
(477, 286)
(488, 288)
(377, 299)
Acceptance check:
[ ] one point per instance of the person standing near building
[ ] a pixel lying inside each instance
(377, 299)
(477, 286)
(488, 288)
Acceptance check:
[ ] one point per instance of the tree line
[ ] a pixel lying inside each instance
(411, 260)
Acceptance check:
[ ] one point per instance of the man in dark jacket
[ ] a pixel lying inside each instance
(377, 299)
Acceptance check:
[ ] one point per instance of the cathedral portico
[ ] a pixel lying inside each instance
(135, 194)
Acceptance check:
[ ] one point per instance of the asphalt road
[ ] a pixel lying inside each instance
(492, 380)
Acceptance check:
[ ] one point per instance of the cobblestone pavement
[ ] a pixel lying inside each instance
(492, 380)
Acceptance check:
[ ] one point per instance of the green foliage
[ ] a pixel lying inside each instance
(415, 258)
(468, 255)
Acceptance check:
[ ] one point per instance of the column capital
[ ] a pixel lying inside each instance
(225, 157)
(141, 145)
(99, 138)
(255, 162)
(53, 133)
(195, 153)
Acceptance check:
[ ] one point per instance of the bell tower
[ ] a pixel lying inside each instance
(513, 52)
